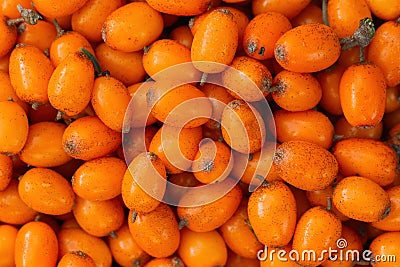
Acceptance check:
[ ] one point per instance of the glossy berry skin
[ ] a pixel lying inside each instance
(216, 40)
(294, 158)
(361, 199)
(132, 27)
(14, 127)
(362, 93)
(36, 245)
(307, 48)
(272, 214)
(372, 159)
(71, 84)
(317, 230)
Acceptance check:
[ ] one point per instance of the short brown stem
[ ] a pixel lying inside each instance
(203, 78)
(59, 115)
(29, 16)
(328, 203)
(60, 31)
(134, 215)
(182, 223)
(325, 12)
(112, 234)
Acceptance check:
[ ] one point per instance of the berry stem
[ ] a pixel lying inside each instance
(325, 12)
(96, 64)
(60, 31)
(29, 16)
(361, 37)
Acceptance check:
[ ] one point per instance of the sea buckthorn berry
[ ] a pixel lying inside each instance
(362, 93)
(368, 158)
(134, 141)
(132, 27)
(141, 92)
(386, 244)
(272, 213)
(88, 138)
(165, 53)
(12, 209)
(219, 97)
(43, 148)
(8, 7)
(169, 144)
(309, 125)
(4, 62)
(344, 130)
(7, 91)
(237, 234)
(318, 230)
(116, 61)
(361, 199)
(384, 9)
(212, 215)
(165, 262)
(258, 165)
(74, 239)
(202, 249)
(141, 189)
(6, 171)
(392, 221)
(262, 32)
(99, 179)
(8, 235)
(29, 81)
(353, 245)
(310, 14)
(77, 259)
(46, 191)
(329, 79)
(257, 74)
(87, 212)
(184, 105)
(183, 35)
(57, 9)
(323, 198)
(289, 9)
(110, 99)
(67, 43)
(216, 40)
(307, 48)
(182, 7)
(384, 52)
(213, 162)
(125, 250)
(296, 91)
(40, 35)
(71, 84)
(95, 12)
(392, 99)
(156, 232)
(242, 127)
(294, 158)
(14, 127)
(344, 16)
(36, 245)
(8, 35)
(241, 18)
